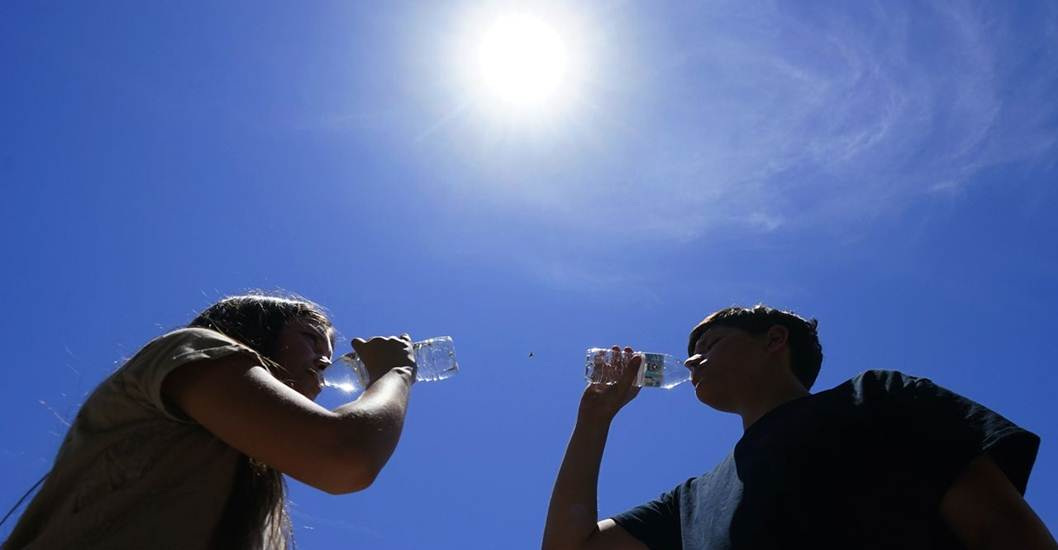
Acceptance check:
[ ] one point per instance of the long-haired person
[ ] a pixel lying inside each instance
(185, 445)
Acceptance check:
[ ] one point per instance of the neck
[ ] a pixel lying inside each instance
(768, 397)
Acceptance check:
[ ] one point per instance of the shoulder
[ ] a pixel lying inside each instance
(890, 380)
(143, 375)
(883, 383)
(186, 345)
(874, 390)
(191, 335)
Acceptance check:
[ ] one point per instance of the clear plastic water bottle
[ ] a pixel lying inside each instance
(657, 370)
(435, 359)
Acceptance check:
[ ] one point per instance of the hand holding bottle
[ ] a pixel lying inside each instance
(602, 401)
(433, 359)
(380, 355)
(659, 370)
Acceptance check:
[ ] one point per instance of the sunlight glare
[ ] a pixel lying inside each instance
(521, 62)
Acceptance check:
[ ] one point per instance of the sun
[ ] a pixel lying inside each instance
(522, 63)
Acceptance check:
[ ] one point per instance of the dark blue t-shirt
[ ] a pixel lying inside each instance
(863, 465)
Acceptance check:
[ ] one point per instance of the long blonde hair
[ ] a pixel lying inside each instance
(256, 514)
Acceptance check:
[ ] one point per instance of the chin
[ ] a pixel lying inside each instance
(703, 396)
(712, 399)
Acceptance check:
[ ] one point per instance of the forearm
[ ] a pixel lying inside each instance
(373, 423)
(572, 516)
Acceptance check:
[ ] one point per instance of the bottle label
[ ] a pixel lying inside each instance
(654, 372)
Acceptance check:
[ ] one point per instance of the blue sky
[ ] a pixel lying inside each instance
(888, 168)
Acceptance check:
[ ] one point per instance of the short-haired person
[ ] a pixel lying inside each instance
(184, 446)
(884, 460)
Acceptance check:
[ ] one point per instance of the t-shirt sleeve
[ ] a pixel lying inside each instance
(144, 374)
(656, 523)
(952, 430)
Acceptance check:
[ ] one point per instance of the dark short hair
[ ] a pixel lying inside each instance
(806, 353)
(255, 319)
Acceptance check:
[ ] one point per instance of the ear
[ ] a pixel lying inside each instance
(777, 338)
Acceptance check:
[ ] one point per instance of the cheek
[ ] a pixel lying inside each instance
(296, 362)
(714, 380)
(302, 355)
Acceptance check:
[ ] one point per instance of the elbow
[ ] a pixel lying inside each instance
(352, 471)
(345, 487)
(350, 476)
(354, 457)
(346, 482)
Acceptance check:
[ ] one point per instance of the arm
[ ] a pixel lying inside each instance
(985, 511)
(337, 451)
(572, 517)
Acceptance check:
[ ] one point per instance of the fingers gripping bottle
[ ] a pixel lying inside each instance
(656, 370)
(435, 359)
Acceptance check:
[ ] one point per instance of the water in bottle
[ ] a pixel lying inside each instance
(435, 359)
(656, 370)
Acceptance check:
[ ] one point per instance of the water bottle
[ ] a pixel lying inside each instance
(435, 359)
(656, 370)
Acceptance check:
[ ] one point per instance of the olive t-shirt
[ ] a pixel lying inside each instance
(862, 465)
(133, 471)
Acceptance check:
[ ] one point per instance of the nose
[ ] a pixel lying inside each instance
(693, 361)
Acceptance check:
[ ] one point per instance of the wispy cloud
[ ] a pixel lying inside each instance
(854, 110)
(768, 115)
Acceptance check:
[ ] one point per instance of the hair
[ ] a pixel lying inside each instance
(256, 515)
(256, 319)
(806, 353)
